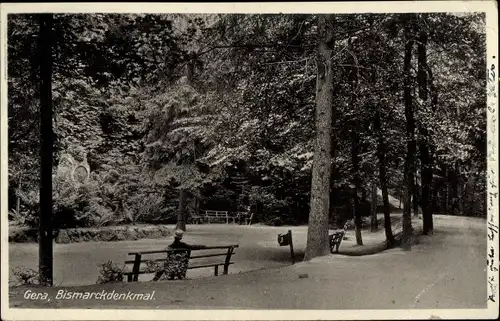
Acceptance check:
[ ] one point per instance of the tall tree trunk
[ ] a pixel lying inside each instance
(45, 263)
(18, 198)
(470, 193)
(374, 221)
(381, 154)
(409, 169)
(355, 200)
(181, 214)
(426, 161)
(448, 201)
(453, 187)
(382, 169)
(460, 190)
(400, 195)
(355, 148)
(197, 204)
(415, 196)
(446, 198)
(426, 202)
(317, 233)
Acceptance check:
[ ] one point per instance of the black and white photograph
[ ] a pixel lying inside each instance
(239, 161)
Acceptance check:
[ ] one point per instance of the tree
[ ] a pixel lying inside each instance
(410, 135)
(46, 151)
(180, 134)
(381, 153)
(424, 76)
(374, 198)
(317, 233)
(356, 187)
(116, 93)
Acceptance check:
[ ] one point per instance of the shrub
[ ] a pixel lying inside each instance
(17, 218)
(25, 276)
(110, 273)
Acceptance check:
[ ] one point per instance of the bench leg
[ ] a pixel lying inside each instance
(216, 270)
(137, 264)
(129, 278)
(228, 260)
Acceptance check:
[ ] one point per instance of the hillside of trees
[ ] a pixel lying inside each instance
(175, 114)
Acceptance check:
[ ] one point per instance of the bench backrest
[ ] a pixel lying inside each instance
(221, 214)
(214, 255)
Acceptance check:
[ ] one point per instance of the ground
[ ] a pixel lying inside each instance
(446, 270)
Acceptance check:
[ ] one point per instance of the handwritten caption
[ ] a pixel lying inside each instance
(492, 259)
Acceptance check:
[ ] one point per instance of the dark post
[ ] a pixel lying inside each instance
(137, 266)
(291, 247)
(228, 259)
(45, 264)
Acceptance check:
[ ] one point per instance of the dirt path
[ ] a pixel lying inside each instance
(446, 270)
(77, 263)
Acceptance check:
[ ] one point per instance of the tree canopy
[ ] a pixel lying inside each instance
(163, 103)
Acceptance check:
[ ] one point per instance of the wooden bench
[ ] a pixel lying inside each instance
(139, 265)
(335, 240)
(216, 216)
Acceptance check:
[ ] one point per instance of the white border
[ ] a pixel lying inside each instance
(490, 7)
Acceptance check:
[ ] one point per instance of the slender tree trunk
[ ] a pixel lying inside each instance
(18, 198)
(45, 264)
(355, 148)
(181, 214)
(400, 196)
(448, 201)
(374, 222)
(415, 196)
(381, 153)
(426, 161)
(382, 170)
(427, 209)
(470, 193)
(460, 190)
(446, 197)
(355, 201)
(409, 169)
(453, 195)
(317, 233)
(197, 204)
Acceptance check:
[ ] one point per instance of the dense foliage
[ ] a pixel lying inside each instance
(171, 109)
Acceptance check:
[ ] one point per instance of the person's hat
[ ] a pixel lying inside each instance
(178, 233)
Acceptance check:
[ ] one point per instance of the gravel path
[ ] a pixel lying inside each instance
(446, 270)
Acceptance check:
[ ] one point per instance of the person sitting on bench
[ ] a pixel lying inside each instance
(177, 263)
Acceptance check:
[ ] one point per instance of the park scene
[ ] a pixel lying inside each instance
(248, 161)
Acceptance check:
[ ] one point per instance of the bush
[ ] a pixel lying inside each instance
(110, 273)
(25, 276)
